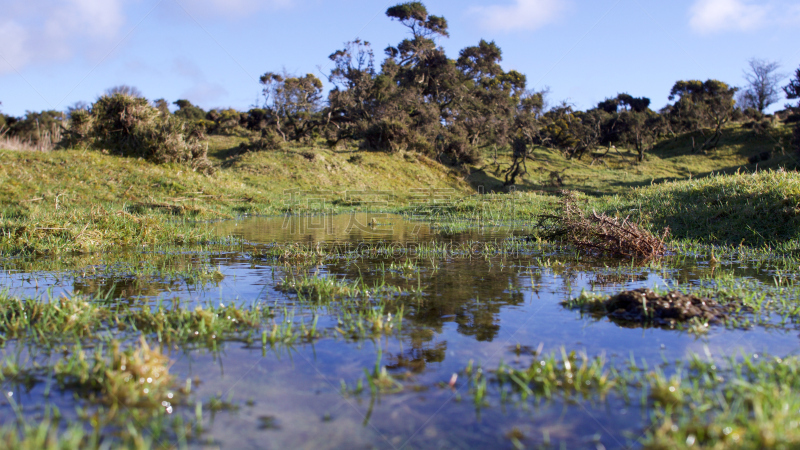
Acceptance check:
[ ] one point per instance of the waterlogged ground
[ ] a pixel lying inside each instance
(374, 331)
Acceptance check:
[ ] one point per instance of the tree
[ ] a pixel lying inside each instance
(292, 103)
(762, 87)
(188, 111)
(415, 16)
(702, 105)
(124, 89)
(353, 102)
(488, 96)
(792, 89)
(639, 129)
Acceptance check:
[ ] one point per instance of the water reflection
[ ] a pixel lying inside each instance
(354, 229)
(466, 307)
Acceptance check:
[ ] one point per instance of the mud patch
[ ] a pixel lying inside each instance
(643, 306)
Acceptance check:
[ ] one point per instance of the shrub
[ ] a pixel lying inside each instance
(130, 126)
(462, 151)
(389, 135)
(79, 130)
(267, 141)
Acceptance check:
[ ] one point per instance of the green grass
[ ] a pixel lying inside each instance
(85, 201)
(744, 402)
(618, 171)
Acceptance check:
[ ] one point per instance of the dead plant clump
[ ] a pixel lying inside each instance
(130, 126)
(643, 306)
(600, 234)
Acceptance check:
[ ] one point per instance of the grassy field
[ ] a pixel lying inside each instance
(78, 200)
(619, 171)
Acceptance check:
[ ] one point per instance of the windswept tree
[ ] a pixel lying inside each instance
(701, 106)
(292, 102)
(414, 15)
(488, 97)
(763, 84)
(421, 63)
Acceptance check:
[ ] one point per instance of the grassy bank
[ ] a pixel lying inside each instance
(86, 201)
(76, 200)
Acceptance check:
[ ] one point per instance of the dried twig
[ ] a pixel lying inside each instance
(601, 234)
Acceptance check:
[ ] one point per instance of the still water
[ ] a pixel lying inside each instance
(464, 303)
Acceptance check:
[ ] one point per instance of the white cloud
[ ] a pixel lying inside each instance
(33, 32)
(522, 15)
(709, 16)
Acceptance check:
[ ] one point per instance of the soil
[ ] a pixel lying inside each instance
(645, 306)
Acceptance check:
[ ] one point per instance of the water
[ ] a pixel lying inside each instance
(461, 306)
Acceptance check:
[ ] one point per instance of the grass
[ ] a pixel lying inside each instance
(745, 402)
(109, 353)
(71, 319)
(74, 200)
(127, 398)
(618, 172)
(755, 209)
(86, 201)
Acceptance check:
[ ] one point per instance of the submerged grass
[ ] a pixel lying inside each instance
(746, 402)
(71, 319)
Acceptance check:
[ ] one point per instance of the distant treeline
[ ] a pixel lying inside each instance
(421, 100)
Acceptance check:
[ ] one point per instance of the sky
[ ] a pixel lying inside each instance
(54, 53)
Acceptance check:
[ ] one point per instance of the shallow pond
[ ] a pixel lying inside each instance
(481, 297)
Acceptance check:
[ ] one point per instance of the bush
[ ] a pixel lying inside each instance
(267, 141)
(79, 130)
(130, 126)
(389, 135)
(462, 151)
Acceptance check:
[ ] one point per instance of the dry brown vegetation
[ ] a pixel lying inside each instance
(600, 234)
(47, 141)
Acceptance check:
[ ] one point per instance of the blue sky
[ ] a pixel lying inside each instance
(57, 52)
